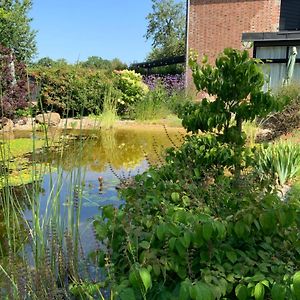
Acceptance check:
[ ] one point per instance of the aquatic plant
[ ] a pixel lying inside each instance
(41, 253)
(109, 112)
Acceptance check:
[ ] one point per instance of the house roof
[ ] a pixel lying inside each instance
(285, 37)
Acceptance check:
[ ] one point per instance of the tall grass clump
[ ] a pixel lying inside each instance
(159, 103)
(152, 106)
(109, 114)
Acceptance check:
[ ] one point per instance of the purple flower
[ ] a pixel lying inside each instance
(172, 83)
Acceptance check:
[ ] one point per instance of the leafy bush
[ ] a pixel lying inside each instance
(280, 161)
(189, 229)
(179, 242)
(13, 84)
(71, 90)
(288, 118)
(132, 88)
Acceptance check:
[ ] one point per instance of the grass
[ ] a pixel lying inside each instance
(109, 113)
(170, 120)
(40, 251)
(251, 129)
(150, 109)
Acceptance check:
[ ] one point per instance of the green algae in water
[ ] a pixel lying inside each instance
(17, 168)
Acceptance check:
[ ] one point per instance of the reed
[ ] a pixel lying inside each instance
(40, 241)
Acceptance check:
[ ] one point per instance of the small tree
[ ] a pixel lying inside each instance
(166, 28)
(235, 87)
(15, 31)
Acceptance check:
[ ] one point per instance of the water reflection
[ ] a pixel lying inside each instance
(100, 154)
(124, 149)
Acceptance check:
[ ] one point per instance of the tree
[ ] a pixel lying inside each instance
(15, 31)
(166, 28)
(45, 62)
(96, 62)
(235, 85)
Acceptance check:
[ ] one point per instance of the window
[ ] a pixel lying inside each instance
(290, 15)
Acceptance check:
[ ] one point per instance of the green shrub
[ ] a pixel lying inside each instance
(190, 235)
(132, 88)
(280, 161)
(71, 90)
(190, 229)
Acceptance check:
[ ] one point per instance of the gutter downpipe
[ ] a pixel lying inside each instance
(187, 27)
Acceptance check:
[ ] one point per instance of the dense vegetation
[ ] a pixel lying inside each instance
(13, 83)
(80, 91)
(205, 225)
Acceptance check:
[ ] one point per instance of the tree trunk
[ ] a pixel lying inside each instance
(237, 173)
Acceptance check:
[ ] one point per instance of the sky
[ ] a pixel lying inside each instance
(77, 29)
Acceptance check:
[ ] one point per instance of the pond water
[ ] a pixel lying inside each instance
(91, 164)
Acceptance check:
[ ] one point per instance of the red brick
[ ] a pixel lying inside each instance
(217, 24)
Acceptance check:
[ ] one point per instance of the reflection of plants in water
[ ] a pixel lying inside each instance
(121, 148)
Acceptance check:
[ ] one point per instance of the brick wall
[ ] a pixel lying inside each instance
(216, 24)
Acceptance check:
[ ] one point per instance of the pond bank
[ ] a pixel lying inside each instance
(87, 123)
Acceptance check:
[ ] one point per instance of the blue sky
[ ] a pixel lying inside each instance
(76, 29)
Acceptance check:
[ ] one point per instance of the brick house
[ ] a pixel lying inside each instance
(213, 25)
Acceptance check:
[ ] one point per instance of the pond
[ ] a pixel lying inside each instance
(85, 169)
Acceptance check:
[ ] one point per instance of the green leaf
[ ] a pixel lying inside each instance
(259, 291)
(134, 279)
(197, 173)
(184, 291)
(267, 221)
(108, 212)
(186, 240)
(127, 294)
(231, 255)
(241, 292)
(146, 278)
(172, 243)
(239, 229)
(180, 249)
(201, 291)
(207, 230)
(160, 231)
(278, 292)
(175, 197)
(144, 245)
(296, 285)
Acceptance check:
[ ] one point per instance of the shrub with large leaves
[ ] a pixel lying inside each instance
(200, 238)
(190, 229)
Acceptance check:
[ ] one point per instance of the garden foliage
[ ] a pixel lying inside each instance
(13, 83)
(189, 229)
(132, 88)
(71, 90)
